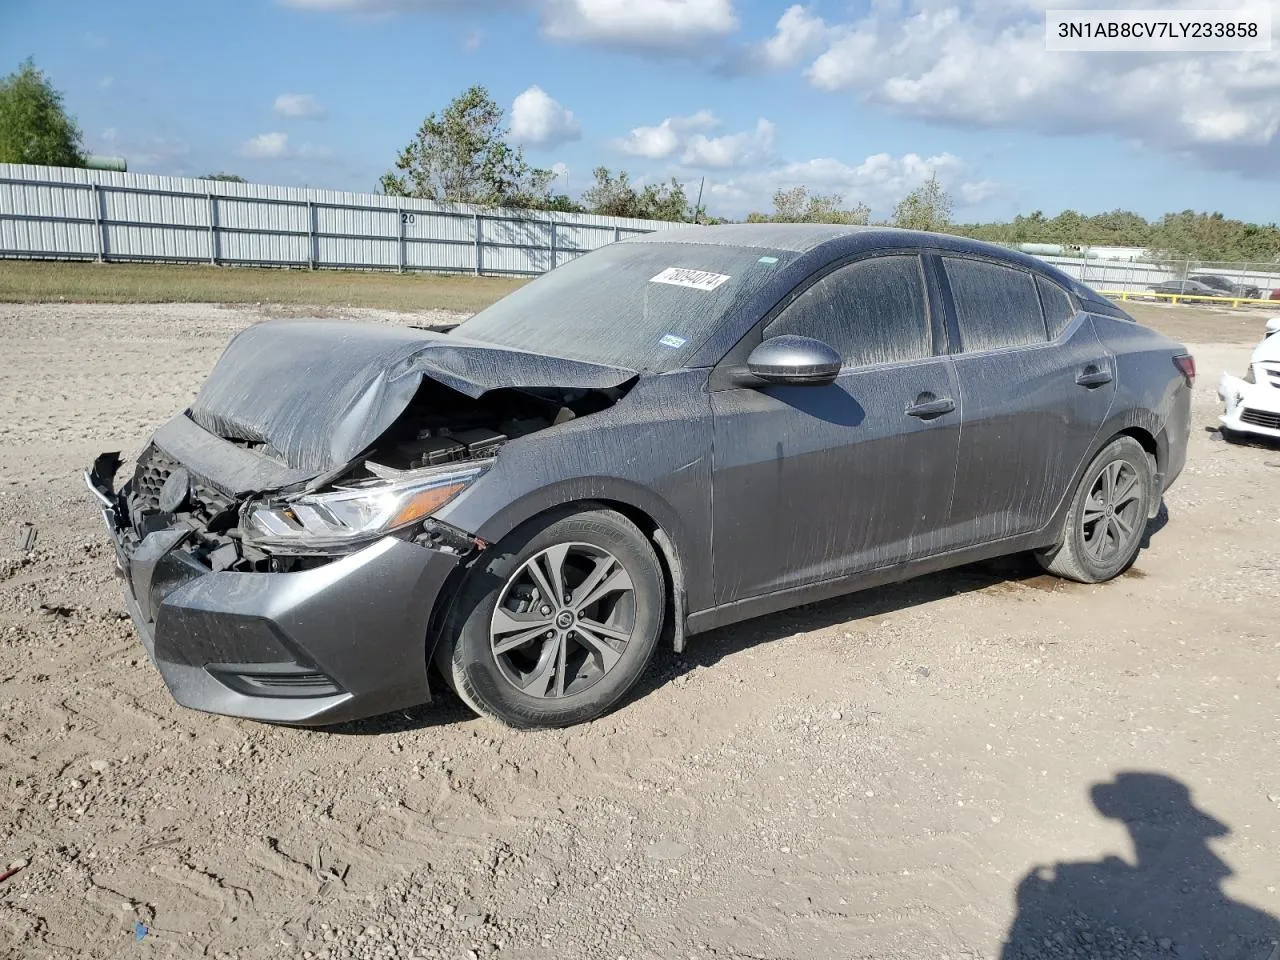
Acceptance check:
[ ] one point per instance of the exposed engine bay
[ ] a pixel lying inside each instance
(439, 428)
(442, 426)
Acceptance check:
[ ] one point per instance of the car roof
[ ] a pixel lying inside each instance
(808, 237)
(796, 237)
(833, 241)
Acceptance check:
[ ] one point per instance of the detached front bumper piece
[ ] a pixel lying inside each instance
(341, 641)
(1250, 407)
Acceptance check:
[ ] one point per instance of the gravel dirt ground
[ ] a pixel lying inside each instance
(924, 771)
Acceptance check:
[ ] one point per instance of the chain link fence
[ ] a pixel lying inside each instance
(1139, 276)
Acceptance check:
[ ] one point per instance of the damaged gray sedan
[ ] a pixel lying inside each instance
(670, 434)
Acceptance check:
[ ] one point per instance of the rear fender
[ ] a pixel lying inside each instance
(1126, 422)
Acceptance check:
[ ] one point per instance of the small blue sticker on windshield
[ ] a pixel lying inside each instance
(671, 340)
(768, 260)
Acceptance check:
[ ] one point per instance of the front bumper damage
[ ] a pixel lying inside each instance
(256, 629)
(341, 640)
(1252, 407)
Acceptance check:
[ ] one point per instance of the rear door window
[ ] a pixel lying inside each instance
(1058, 310)
(996, 306)
(872, 311)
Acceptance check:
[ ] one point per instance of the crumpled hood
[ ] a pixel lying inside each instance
(319, 392)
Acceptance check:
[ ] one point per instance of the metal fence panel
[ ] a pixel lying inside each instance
(52, 201)
(241, 214)
(1140, 275)
(434, 226)
(75, 240)
(252, 248)
(447, 258)
(64, 213)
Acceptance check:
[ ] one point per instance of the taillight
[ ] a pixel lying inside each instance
(1186, 365)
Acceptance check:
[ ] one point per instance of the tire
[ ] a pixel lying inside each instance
(502, 652)
(1123, 468)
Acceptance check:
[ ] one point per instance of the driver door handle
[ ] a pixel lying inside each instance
(928, 409)
(1092, 376)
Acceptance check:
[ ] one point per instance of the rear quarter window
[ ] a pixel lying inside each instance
(996, 306)
(1057, 307)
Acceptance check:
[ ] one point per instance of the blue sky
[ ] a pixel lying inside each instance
(862, 99)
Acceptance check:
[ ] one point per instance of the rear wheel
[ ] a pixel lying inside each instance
(1108, 516)
(558, 622)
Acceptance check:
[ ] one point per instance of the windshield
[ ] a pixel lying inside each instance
(645, 306)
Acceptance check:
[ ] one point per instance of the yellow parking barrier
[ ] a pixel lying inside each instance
(1175, 297)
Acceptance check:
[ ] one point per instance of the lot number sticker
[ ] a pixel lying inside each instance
(683, 277)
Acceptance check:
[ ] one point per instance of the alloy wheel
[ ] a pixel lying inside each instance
(563, 620)
(1110, 523)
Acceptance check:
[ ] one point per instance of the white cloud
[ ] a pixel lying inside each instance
(653, 26)
(160, 154)
(672, 25)
(266, 146)
(879, 181)
(976, 192)
(396, 6)
(985, 63)
(471, 43)
(106, 82)
(799, 34)
(540, 121)
(300, 105)
(656, 143)
(689, 139)
(313, 151)
(731, 150)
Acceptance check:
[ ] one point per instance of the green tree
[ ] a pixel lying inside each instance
(797, 205)
(225, 177)
(1184, 235)
(34, 125)
(928, 207)
(562, 203)
(617, 196)
(666, 201)
(462, 156)
(1211, 236)
(611, 196)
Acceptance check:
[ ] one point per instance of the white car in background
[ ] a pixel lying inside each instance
(1253, 403)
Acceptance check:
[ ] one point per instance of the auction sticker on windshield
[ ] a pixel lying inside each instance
(684, 277)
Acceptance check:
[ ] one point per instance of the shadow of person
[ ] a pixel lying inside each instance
(1169, 904)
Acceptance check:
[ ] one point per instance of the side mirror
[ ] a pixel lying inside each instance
(1273, 325)
(794, 360)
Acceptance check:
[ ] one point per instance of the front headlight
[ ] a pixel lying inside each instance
(354, 514)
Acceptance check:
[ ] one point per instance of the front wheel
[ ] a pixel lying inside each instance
(1108, 516)
(558, 622)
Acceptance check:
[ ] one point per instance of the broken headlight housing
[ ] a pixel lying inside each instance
(352, 515)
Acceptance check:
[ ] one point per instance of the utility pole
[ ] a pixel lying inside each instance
(697, 207)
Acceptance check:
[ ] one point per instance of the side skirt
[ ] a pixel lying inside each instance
(752, 607)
